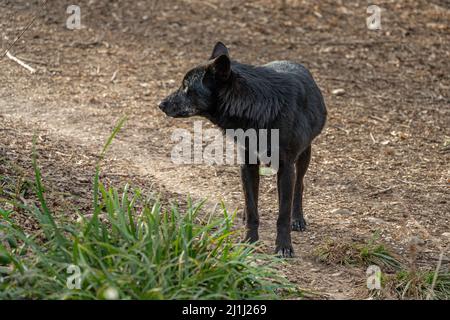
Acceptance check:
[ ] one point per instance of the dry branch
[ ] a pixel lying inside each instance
(376, 193)
(20, 62)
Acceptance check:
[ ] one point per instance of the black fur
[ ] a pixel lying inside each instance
(279, 95)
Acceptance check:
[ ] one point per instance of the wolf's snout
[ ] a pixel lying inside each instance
(163, 105)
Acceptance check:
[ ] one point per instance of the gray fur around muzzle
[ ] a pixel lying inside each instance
(177, 106)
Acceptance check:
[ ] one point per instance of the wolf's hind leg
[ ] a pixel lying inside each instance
(298, 220)
(285, 182)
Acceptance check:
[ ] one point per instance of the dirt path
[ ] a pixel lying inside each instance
(381, 157)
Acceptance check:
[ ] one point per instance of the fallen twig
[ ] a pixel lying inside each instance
(114, 76)
(32, 61)
(20, 62)
(381, 191)
(378, 118)
(424, 184)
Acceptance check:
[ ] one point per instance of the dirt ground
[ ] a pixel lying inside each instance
(381, 165)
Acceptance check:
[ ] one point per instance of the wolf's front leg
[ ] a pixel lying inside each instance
(250, 183)
(286, 179)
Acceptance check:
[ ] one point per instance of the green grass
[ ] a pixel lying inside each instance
(13, 184)
(408, 284)
(130, 248)
(357, 254)
(398, 281)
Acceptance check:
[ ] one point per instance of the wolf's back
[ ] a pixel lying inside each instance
(312, 99)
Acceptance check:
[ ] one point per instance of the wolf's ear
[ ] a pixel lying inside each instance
(221, 67)
(219, 50)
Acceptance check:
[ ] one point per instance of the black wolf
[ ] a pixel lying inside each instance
(280, 95)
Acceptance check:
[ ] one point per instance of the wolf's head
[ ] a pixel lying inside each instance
(198, 92)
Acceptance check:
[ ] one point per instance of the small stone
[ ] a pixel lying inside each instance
(338, 92)
(446, 234)
(375, 220)
(111, 294)
(341, 211)
(415, 240)
(337, 274)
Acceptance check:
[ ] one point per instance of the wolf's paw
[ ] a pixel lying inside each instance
(285, 252)
(299, 225)
(251, 236)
